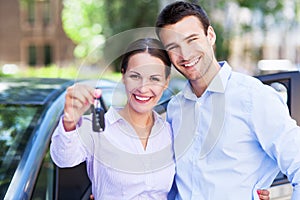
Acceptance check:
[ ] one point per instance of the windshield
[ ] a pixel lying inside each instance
(17, 123)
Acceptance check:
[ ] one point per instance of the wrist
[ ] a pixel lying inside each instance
(69, 125)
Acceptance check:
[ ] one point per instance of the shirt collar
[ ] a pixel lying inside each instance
(218, 84)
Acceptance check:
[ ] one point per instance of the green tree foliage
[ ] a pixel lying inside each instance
(271, 8)
(83, 22)
(89, 23)
(267, 7)
(124, 15)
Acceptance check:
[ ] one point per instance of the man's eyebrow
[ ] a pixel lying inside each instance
(191, 36)
(184, 39)
(169, 45)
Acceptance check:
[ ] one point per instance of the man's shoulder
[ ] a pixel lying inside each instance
(176, 99)
(246, 88)
(244, 80)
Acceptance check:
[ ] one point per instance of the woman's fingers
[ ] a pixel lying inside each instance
(78, 100)
(83, 95)
(97, 93)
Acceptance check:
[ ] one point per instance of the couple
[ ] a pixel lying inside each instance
(229, 133)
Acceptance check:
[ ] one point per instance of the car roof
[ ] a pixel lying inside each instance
(33, 91)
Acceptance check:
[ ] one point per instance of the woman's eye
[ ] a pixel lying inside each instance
(155, 79)
(134, 76)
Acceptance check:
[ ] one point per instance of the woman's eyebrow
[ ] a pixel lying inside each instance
(156, 75)
(135, 72)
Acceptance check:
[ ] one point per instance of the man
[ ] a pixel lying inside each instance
(232, 133)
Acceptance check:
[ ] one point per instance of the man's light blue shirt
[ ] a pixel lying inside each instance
(232, 140)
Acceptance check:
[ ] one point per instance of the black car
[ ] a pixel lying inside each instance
(29, 112)
(287, 84)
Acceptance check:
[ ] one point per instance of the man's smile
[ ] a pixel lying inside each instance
(192, 62)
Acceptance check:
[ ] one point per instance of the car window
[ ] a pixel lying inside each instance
(281, 89)
(16, 125)
(44, 187)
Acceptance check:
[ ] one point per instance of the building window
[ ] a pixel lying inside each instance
(40, 55)
(31, 11)
(37, 12)
(47, 55)
(46, 12)
(32, 57)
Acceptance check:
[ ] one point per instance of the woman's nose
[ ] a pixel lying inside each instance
(144, 86)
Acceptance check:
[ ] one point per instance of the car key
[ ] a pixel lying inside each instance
(98, 116)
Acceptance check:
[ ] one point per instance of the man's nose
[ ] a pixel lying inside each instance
(185, 52)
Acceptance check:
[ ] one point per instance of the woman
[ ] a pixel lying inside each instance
(132, 158)
(134, 129)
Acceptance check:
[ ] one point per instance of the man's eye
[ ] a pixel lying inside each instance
(192, 39)
(171, 48)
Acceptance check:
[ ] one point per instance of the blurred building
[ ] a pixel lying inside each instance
(31, 33)
(271, 37)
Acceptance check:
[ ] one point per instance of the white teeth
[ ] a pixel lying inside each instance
(142, 98)
(192, 63)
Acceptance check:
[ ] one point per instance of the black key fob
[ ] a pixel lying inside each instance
(98, 116)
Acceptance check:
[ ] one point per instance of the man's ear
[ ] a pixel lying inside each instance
(211, 35)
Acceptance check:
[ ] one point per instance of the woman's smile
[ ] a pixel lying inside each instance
(142, 99)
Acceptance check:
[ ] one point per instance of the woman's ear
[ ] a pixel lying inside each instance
(167, 83)
(123, 77)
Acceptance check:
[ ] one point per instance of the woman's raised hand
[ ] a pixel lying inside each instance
(78, 100)
(263, 194)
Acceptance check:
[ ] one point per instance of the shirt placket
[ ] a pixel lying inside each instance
(197, 148)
